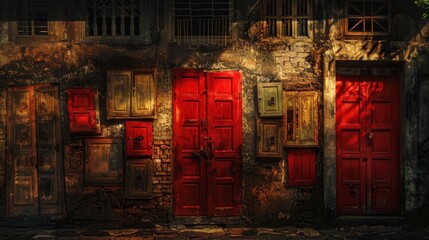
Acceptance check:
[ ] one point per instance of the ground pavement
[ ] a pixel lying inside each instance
(364, 232)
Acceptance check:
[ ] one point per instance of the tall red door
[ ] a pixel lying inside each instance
(207, 143)
(367, 125)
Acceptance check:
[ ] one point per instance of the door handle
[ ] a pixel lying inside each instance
(370, 136)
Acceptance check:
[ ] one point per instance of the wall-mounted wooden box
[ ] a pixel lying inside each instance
(138, 181)
(270, 99)
(83, 111)
(138, 137)
(269, 138)
(301, 121)
(131, 94)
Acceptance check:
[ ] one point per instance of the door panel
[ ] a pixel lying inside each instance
(224, 129)
(143, 97)
(35, 136)
(367, 144)
(23, 187)
(190, 162)
(207, 140)
(118, 85)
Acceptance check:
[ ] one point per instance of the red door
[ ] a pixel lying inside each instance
(367, 118)
(207, 142)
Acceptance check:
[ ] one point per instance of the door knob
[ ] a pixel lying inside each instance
(370, 136)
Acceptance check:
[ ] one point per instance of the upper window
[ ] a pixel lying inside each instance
(202, 21)
(367, 17)
(114, 18)
(32, 17)
(285, 18)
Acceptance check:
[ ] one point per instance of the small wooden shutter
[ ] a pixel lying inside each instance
(269, 138)
(103, 161)
(301, 122)
(83, 111)
(118, 94)
(301, 167)
(270, 99)
(143, 97)
(138, 138)
(138, 179)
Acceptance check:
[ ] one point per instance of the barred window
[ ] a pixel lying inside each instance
(285, 18)
(204, 21)
(368, 17)
(114, 18)
(32, 17)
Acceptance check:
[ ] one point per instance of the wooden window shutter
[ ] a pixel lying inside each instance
(83, 111)
(138, 182)
(143, 94)
(118, 94)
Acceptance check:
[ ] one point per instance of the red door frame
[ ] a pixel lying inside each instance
(206, 168)
(371, 188)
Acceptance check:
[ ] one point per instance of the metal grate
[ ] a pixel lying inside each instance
(32, 17)
(114, 18)
(202, 21)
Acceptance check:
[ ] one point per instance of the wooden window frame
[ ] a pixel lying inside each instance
(14, 23)
(293, 18)
(294, 120)
(365, 17)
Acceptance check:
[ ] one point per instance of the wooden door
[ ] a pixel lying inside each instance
(34, 160)
(367, 119)
(207, 143)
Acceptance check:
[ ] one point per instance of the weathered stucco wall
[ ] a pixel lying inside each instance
(300, 64)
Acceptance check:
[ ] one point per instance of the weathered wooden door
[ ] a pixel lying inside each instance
(367, 118)
(207, 143)
(35, 180)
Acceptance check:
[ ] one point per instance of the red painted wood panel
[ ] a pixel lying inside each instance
(301, 167)
(367, 144)
(83, 111)
(138, 137)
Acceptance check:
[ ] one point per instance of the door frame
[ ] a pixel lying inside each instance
(329, 129)
(61, 194)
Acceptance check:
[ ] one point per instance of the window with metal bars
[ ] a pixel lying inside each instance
(202, 21)
(285, 18)
(114, 18)
(32, 17)
(367, 17)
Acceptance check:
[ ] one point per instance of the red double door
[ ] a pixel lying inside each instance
(367, 125)
(207, 143)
